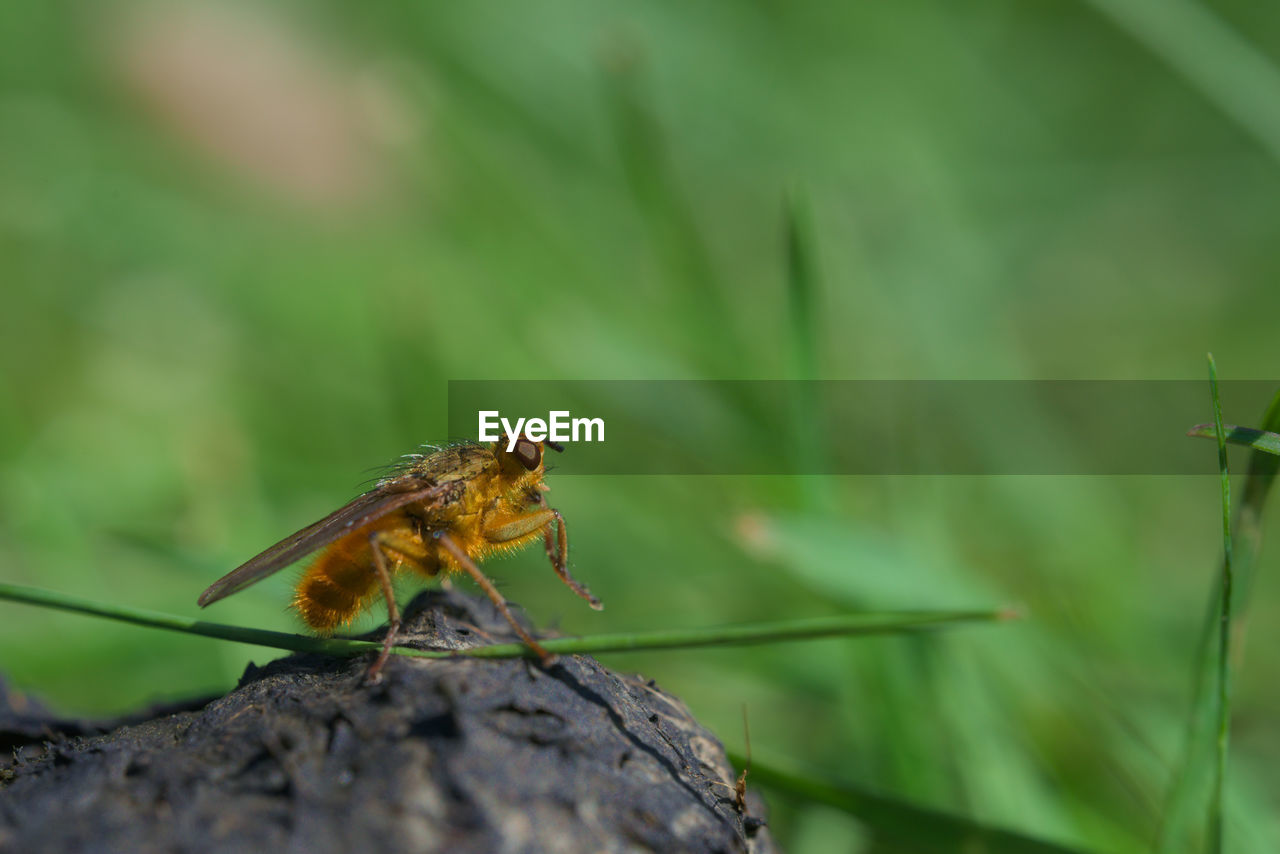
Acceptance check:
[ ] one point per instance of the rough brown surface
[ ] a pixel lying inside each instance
(457, 755)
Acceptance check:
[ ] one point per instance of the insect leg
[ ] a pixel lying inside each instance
(559, 560)
(510, 528)
(485, 584)
(377, 544)
(404, 550)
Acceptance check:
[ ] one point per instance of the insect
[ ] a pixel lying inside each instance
(750, 824)
(740, 787)
(435, 513)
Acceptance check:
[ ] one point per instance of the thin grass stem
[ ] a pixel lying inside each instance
(1224, 626)
(1194, 769)
(754, 633)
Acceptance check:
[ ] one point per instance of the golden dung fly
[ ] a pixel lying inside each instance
(438, 512)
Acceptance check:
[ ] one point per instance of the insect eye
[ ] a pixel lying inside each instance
(528, 453)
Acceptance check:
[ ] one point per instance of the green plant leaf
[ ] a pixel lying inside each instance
(1259, 440)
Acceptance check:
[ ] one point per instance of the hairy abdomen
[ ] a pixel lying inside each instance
(338, 585)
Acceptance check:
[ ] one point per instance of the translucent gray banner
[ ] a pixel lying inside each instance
(870, 427)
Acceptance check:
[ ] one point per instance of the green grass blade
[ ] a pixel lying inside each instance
(170, 622)
(801, 291)
(1233, 74)
(1224, 626)
(1194, 766)
(1247, 526)
(807, 420)
(1259, 440)
(656, 187)
(1195, 769)
(899, 825)
(846, 625)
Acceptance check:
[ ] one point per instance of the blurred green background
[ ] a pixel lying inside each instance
(243, 248)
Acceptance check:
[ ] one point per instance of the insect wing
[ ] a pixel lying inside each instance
(358, 513)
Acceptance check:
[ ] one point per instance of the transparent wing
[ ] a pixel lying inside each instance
(359, 512)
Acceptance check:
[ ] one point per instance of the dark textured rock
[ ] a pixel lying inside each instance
(457, 755)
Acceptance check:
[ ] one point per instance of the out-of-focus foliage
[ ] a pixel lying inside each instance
(243, 249)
